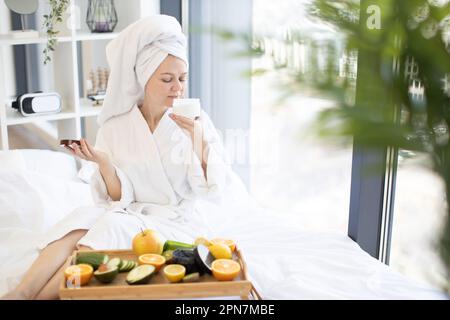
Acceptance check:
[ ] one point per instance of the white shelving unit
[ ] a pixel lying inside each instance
(65, 69)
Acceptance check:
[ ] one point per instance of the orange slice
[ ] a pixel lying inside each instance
(78, 275)
(225, 269)
(153, 259)
(227, 242)
(174, 272)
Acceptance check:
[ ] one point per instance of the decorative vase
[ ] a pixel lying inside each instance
(101, 16)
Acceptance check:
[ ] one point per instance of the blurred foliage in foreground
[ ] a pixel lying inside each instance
(389, 70)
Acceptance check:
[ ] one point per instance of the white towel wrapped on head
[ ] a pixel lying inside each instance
(134, 56)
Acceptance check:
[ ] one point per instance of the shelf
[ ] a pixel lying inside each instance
(87, 109)
(78, 52)
(6, 39)
(88, 36)
(14, 117)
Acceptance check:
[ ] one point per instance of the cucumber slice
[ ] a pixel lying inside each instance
(123, 266)
(130, 265)
(115, 262)
(140, 275)
(127, 266)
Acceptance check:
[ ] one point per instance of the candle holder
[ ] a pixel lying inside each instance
(101, 16)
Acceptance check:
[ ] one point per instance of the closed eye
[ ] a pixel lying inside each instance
(168, 81)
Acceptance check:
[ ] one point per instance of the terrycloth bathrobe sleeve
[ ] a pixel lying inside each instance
(217, 168)
(98, 186)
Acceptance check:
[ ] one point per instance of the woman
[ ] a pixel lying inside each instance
(150, 165)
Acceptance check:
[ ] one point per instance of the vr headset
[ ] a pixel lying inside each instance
(38, 103)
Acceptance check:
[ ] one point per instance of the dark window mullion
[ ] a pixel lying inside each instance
(373, 169)
(171, 8)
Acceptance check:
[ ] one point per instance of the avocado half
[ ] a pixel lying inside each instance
(141, 274)
(108, 275)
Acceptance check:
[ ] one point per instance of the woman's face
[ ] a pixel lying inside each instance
(167, 82)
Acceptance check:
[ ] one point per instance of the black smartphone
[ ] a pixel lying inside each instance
(68, 143)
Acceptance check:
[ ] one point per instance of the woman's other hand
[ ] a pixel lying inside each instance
(86, 152)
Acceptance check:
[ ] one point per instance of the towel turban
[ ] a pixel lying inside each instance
(134, 55)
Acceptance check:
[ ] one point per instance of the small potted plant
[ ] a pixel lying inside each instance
(57, 9)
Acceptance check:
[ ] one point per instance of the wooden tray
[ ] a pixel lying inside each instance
(159, 287)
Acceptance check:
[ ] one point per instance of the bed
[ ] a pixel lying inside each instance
(38, 188)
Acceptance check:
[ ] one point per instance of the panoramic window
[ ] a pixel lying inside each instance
(294, 170)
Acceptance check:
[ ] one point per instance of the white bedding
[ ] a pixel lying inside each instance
(38, 188)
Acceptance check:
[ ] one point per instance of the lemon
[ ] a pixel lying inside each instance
(220, 251)
(174, 272)
(202, 241)
(228, 242)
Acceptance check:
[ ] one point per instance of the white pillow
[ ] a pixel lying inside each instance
(36, 202)
(38, 188)
(20, 205)
(12, 160)
(52, 163)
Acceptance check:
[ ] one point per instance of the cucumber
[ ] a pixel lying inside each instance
(106, 273)
(95, 259)
(141, 274)
(193, 277)
(173, 245)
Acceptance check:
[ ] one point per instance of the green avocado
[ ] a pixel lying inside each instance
(141, 274)
(106, 273)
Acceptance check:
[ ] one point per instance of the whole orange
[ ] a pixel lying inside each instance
(147, 241)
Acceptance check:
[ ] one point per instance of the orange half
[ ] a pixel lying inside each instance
(153, 259)
(78, 275)
(225, 269)
(230, 243)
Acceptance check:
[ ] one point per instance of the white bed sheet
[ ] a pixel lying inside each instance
(38, 188)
